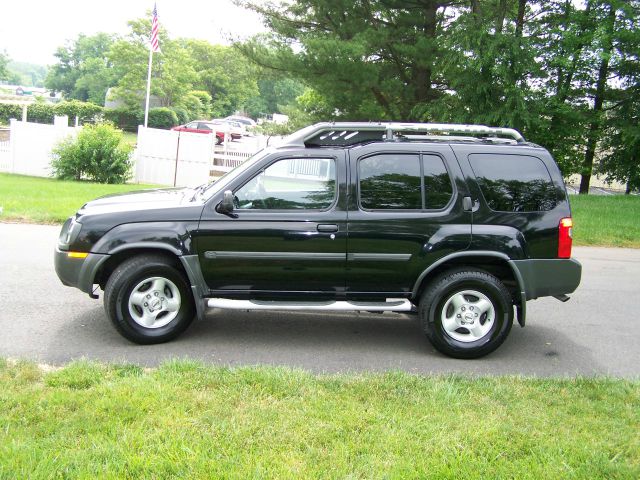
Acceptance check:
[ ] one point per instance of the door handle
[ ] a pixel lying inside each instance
(327, 227)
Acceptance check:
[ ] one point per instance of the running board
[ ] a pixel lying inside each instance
(391, 305)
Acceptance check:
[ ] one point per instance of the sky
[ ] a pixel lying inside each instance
(31, 31)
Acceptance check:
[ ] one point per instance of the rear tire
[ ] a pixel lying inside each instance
(149, 300)
(466, 313)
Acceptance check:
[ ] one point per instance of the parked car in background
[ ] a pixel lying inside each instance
(235, 129)
(203, 126)
(246, 121)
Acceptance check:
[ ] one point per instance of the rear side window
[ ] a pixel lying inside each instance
(390, 182)
(403, 182)
(514, 183)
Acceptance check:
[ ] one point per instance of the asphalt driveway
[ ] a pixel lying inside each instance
(596, 332)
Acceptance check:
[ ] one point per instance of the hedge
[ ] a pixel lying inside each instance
(42, 112)
(8, 111)
(125, 118)
(162, 117)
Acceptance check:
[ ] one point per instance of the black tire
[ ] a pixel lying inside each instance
(120, 287)
(440, 293)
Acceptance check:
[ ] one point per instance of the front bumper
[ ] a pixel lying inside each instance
(548, 277)
(78, 272)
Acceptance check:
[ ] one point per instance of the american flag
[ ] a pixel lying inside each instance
(155, 45)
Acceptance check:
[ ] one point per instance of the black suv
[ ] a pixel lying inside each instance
(458, 224)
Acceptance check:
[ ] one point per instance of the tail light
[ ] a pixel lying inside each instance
(565, 237)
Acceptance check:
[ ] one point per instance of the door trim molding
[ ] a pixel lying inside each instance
(231, 255)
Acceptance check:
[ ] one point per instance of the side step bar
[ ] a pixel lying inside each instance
(391, 305)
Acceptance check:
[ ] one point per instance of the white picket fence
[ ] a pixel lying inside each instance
(162, 157)
(28, 150)
(167, 157)
(5, 150)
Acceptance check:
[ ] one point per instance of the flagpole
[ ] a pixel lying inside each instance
(146, 105)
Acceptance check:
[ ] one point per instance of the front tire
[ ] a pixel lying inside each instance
(148, 300)
(466, 313)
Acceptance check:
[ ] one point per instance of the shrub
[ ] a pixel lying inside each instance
(162, 117)
(97, 154)
(125, 118)
(8, 111)
(183, 115)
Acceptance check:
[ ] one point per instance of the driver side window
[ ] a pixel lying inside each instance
(290, 184)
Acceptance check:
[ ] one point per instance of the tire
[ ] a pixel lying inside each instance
(466, 313)
(149, 300)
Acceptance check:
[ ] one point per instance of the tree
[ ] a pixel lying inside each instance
(491, 67)
(563, 35)
(621, 158)
(372, 59)
(173, 73)
(275, 93)
(621, 139)
(228, 77)
(8, 74)
(29, 74)
(84, 71)
(4, 71)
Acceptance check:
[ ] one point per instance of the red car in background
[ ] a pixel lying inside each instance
(203, 126)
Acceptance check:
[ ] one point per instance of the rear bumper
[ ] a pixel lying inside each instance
(548, 277)
(77, 272)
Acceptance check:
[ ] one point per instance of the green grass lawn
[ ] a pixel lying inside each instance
(612, 220)
(45, 200)
(130, 138)
(187, 420)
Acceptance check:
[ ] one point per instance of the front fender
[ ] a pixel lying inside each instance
(174, 237)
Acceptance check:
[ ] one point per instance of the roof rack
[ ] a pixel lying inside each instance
(353, 133)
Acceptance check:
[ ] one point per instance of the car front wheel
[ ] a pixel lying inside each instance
(149, 300)
(466, 313)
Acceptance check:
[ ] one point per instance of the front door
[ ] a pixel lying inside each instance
(287, 235)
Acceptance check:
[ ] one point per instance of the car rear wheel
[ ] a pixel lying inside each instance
(466, 313)
(149, 300)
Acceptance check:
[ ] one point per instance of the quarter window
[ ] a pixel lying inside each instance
(291, 184)
(514, 183)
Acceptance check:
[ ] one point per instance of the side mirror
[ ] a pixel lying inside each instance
(226, 205)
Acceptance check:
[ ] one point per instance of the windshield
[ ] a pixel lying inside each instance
(221, 183)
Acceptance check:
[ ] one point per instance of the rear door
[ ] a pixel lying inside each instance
(405, 212)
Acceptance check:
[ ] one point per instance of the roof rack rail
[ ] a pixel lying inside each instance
(346, 133)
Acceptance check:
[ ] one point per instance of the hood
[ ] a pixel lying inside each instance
(161, 198)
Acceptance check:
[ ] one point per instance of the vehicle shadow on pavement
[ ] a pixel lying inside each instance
(320, 342)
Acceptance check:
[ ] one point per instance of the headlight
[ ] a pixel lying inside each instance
(69, 233)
